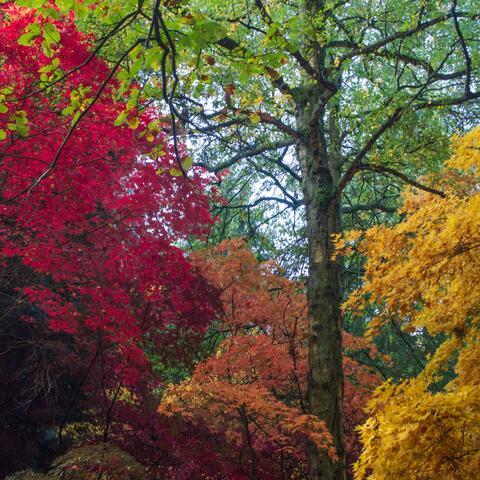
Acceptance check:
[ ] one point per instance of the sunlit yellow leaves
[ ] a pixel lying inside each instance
(415, 434)
(425, 269)
(425, 273)
(467, 152)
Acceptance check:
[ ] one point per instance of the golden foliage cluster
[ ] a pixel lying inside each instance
(424, 273)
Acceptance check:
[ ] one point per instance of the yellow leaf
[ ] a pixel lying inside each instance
(133, 122)
(255, 117)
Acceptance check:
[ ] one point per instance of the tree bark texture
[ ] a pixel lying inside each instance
(325, 377)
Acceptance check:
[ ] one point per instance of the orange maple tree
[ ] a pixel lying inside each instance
(251, 391)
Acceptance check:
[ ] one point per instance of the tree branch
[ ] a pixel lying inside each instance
(468, 60)
(367, 207)
(362, 50)
(395, 173)
(72, 128)
(247, 153)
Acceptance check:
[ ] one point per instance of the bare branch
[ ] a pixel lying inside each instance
(261, 200)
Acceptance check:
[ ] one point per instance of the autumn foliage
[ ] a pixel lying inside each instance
(90, 278)
(123, 356)
(249, 395)
(424, 274)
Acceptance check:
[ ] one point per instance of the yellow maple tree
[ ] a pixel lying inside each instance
(424, 274)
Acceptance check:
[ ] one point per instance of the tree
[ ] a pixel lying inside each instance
(423, 274)
(89, 272)
(247, 397)
(344, 83)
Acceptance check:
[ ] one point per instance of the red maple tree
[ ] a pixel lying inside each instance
(88, 217)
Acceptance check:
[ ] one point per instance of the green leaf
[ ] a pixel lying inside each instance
(255, 117)
(3, 134)
(187, 163)
(65, 5)
(121, 118)
(76, 117)
(30, 3)
(31, 33)
(51, 34)
(67, 110)
(244, 73)
(153, 57)
(50, 12)
(47, 50)
(80, 9)
(175, 172)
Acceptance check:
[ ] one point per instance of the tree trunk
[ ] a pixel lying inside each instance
(325, 377)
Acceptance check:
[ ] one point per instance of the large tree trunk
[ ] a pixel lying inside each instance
(325, 378)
